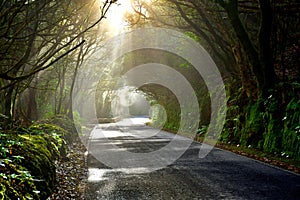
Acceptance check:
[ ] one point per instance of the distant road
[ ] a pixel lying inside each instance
(220, 175)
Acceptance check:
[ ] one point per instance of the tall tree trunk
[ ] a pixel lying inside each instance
(32, 105)
(8, 101)
(266, 54)
(61, 90)
(248, 83)
(260, 61)
(232, 10)
(78, 62)
(32, 111)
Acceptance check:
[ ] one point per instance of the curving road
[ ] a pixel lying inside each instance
(220, 175)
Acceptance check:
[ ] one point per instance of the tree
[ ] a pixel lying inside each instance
(259, 41)
(230, 39)
(35, 35)
(260, 57)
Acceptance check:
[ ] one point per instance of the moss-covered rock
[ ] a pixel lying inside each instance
(54, 134)
(39, 160)
(65, 123)
(27, 156)
(16, 181)
(27, 166)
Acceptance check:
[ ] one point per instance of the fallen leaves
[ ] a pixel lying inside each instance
(71, 174)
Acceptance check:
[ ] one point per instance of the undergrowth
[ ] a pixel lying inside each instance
(27, 156)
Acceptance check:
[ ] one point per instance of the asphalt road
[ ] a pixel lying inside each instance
(220, 175)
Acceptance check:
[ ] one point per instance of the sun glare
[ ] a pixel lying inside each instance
(117, 13)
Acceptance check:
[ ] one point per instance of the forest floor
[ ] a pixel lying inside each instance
(71, 174)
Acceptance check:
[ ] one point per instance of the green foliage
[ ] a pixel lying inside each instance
(202, 130)
(16, 181)
(77, 118)
(37, 159)
(272, 124)
(291, 130)
(172, 122)
(165, 117)
(65, 123)
(23, 165)
(158, 116)
(234, 121)
(282, 116)
(27, 155)
(49, 115)
(53, 134)
(184, 65)
(192, 35)
(252, 131)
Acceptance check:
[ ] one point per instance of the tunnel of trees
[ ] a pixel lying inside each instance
(255, 44)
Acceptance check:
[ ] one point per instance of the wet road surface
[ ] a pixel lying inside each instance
(220, 175)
